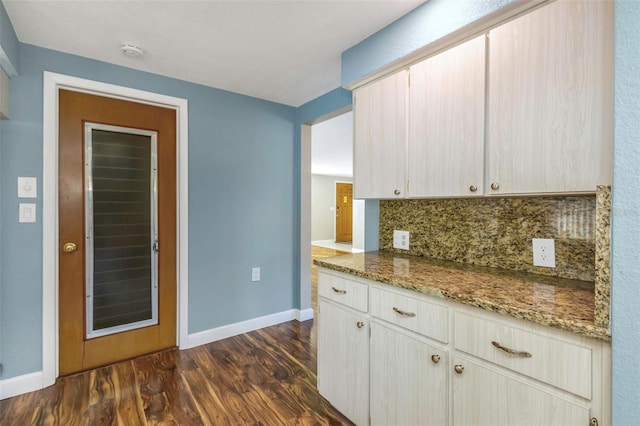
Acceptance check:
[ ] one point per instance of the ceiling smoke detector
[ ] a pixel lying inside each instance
(131, 50)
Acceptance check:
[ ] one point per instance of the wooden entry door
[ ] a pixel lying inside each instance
(117, 230)
(344, 212)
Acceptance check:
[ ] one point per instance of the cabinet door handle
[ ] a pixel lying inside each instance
(435, 358)
(458, 368)
(473, 188)
(337, 290)
(521, 354)
(397, 192)
(495, 186)
(359, 324)
(401, 312)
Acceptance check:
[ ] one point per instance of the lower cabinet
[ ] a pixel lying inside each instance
(483, 396)
(343, 360)
(393, 357)
(409, 380)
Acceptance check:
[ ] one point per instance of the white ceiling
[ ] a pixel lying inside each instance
(286, 51)
(332, 146)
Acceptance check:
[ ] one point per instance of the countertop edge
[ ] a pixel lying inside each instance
(577, 327)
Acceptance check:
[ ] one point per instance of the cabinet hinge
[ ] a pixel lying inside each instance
(593, 421)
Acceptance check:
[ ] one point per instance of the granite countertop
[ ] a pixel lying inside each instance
(555, 302)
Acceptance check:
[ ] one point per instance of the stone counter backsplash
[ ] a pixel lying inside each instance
(497, 232)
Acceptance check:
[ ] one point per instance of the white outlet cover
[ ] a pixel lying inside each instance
(544, 252)
(401, 240)
(255, 274)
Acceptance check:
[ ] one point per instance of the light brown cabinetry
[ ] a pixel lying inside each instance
(550, 115)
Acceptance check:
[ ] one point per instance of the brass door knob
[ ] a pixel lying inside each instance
(495, 186)
(458, 368)
(435, 358)
(473, 188)
(69, 247)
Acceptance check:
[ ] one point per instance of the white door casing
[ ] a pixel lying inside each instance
(52, 83)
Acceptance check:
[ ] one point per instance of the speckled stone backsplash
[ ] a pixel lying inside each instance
(603, 256)
(497, 232)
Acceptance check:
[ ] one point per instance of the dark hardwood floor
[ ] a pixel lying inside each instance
(266, 377)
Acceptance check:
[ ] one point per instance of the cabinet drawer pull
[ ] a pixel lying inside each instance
(359, 324)
(458, 368)
(401, 312)
(521, 354)
(337, 290)
(435, 358)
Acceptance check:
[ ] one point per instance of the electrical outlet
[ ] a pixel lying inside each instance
(544, 252)
(401, 240)
(255, 274)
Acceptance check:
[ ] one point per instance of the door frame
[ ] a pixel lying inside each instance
(53, 82)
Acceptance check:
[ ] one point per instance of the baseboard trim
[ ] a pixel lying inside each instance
(18, 385)
(305, 314)
(219, 333)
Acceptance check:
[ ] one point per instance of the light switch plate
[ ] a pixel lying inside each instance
(27, 213)
(27, 187)
(401, 240)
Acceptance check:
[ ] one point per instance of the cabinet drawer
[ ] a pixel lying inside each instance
(559, 363)
(342, 290)
(413, 313)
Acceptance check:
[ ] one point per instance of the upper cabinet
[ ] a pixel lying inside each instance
(380, 122)
(446, 123)
(550, 106)
(542, 83)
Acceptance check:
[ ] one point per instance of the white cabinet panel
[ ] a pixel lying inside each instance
(411, 312)
(564, 364)
(344, 291)
(409, 380)
(343, 360)
(446, 122)
(482, 396)
(550, 116)
(380, 127)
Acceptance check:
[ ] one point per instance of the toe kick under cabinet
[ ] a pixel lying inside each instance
(390, 356)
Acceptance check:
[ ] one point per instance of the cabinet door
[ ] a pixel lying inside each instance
(551, 99)
(380, 123)
(343, 361)
(408, 387)
(482, 396)
(446, 122)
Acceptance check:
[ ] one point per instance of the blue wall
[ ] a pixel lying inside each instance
(8, 44)
(241, 191)
(625, 302)
(424, 25)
